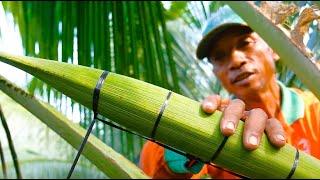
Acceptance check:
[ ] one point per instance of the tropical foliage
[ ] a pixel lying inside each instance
(96, 151)
(142, 40)
(135, 105)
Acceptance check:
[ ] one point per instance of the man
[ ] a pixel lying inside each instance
(245, 65)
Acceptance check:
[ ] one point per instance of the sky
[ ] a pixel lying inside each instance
(10, 42)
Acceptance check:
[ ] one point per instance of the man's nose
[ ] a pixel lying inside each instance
(237, 59)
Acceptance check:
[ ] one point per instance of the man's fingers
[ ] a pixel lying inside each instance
(223, 104)
(275, 132)
(231, 116)
(211, 103)
(245, 115)
(253, 128)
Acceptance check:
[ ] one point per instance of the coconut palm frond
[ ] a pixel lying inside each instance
(111, 163)
(135, 105)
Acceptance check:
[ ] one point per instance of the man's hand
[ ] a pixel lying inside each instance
(256, 121)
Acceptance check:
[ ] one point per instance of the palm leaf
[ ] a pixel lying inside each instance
(107, 35)
(43, 147)
(104, 35)
(112, 163)
(135, 105)
(53, 169)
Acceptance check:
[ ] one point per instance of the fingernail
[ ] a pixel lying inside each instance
(253, 140)
(208, 105)
(280, 137)
(230, 125)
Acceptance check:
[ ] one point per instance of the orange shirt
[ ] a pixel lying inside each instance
(300, 117)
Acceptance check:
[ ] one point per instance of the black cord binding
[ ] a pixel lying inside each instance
(95, 102)
(170, 148)
(96, 93)
(163, 107)
(295, 164)
(189, 156)
(215, 155)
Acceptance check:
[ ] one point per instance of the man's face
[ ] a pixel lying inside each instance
(242, 61)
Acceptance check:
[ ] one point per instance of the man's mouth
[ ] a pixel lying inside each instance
(241, 76)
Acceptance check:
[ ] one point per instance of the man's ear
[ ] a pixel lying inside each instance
(275, 56)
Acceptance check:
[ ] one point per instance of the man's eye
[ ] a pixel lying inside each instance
(219, 57)
(245, 43)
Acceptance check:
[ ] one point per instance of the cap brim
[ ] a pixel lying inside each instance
(204, 45)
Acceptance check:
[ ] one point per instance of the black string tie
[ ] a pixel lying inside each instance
(163, 107)
(95, 101)
(215, 155)
(96, 94)
(295, 164)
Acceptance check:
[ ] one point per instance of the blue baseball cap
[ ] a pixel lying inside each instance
(220, 21)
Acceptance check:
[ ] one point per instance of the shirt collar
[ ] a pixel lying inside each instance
(292, 105)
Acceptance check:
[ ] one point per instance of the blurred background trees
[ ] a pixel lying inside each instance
(151, 41)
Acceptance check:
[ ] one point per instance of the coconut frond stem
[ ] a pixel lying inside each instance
(135, 105)
(111, 163)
